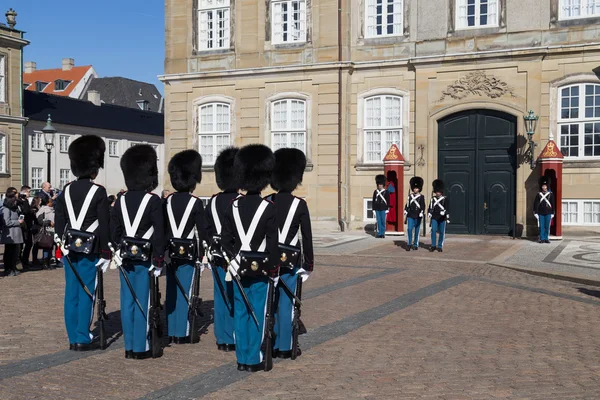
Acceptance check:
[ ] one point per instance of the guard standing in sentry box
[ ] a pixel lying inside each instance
(439, 215)
(380, 204)
(250, 235)
(414, 210)
(296, 262)
(543, 209)
(138, 230)
(82, 233)
(185, 234)
(215, 214)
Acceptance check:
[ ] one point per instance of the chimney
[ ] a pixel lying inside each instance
(67, 64)
(93, 96)
(30, 66)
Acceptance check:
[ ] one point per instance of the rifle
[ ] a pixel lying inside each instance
(270, 325)
(154, 318)
(195, 304)
(101, 308)
(296, 320)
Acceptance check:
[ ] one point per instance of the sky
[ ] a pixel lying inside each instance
(119, 38)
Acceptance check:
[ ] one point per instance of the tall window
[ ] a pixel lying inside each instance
(213, 24)
(581, 212)
(64, 143)
(113, 148)
(214, 130)
(383, 126)
(64, 178)
(3, 158)
(288, 21)
(384, 17)
(36, 141)
(2, 79)
(288, 124)
(476, 13)
(36, 177)
(570, 9)
(579, 120)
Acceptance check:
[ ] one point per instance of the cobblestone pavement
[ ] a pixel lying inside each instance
(382, 323)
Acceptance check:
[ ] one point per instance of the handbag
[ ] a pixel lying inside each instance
(79, 241)
(254, 263)
(289, 256)
(134, 249)
(43, 239)
(182, 249)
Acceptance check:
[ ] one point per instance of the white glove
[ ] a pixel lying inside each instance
(116, 260)
(155, 271)
(387, 211)
(420, 215)
(61, 245)
(551, 216)
(429, 216)
(275, 281)
(103, 263)
(536, 216)
(442, 212)
(405, 212)
(304, 274)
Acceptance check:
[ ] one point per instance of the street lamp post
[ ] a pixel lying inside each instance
(49, 132)
(530, 124)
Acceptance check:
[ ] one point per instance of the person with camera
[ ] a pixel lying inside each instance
(44, 239)
(13, 221)
(29, 224)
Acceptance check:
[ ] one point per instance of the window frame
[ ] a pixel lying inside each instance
(41, 82)
(580, 121)
(382, 128)
(143, 105)
(303, 22)
(41, 177)
(213, 133)
(40, 147)
(213, 10)
(3, 85)
(580, 212)
(116, 142)
(64, 82)
(383, 15)
(288, 129)
(60, 177)
(366, 201)
(582, 6)
(60, 143)
(464, 3)
(3, 153)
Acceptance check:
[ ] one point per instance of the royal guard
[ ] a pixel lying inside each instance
(380, 204)
(185, 222)
(296, 261)
(543, 209)
(137, 224)
(413, 211)
(250, 244)
(82, 234)
(439, 215)
(215, 214)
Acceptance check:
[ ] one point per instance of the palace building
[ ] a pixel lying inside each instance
(448, 81)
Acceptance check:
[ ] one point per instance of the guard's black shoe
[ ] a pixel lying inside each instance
(71, 346)
(221, 347)
(288, 354)
(547, 241)
(540, 241)
(128, 353)
(228, 347)
(242, 367)
(255, 367)
(180, 340)
(408, 248)
(415, 247)
(432, 249)
(85, 346)
(141, 355)
(439, 249)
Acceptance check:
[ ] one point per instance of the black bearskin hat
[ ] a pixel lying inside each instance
(185, 170)
(438, 186)
(87, 156)
(289, 168)
(544, 180)
(253, 167)
(416, 182)
(380, 179)
(139, 168)
(224, 169)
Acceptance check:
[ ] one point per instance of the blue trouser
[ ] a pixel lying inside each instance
(248, 337)
(223, 312)
(285, 310)
(438, 227)
(176, 305)
(380, 222)
(545, 226)
(133, 320)
(414, 224)
(79, 307)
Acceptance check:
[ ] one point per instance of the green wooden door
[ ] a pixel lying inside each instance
(477, 161)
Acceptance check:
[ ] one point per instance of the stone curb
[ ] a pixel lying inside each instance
(546, 274)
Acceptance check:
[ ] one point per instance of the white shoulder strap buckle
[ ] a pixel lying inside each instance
(288, 223)
(131, 229)
(77, 222)
(179, 229)
(246, 237)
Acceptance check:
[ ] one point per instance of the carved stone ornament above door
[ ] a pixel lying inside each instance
(477, 83)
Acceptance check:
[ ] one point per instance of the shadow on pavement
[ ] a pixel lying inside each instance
(590, 292)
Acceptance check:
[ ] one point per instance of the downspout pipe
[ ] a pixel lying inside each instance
(339, 150)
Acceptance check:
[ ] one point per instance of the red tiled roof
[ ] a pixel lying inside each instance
(74, 75)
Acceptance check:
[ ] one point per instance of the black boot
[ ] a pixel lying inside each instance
(432, 249)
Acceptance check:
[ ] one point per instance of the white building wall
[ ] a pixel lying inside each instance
(83, 83)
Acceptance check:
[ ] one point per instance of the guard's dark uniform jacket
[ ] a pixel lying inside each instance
(266, 228)
(98, 211)
(179, 202)
(221, 202)
(300, 221)
(544, 203)
(152, 217)
(439, 208)
(381, 200)
(415, 205)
